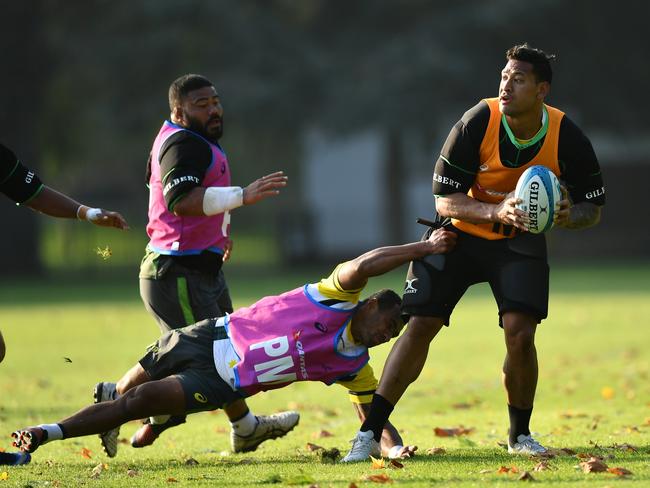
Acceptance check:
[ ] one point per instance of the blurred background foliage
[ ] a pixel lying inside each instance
(84, 90)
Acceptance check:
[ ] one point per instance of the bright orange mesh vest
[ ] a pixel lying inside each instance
(494, 181)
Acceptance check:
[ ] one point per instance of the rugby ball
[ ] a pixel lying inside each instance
(539, 191)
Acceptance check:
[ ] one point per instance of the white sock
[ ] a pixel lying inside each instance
(54, 432)
(245, 426)
(159, 419)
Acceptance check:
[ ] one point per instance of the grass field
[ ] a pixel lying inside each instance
(593, 395)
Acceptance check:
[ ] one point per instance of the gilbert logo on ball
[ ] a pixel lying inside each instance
(539, 191)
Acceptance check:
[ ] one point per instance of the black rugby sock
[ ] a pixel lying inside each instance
(519, 422)
(380, 410)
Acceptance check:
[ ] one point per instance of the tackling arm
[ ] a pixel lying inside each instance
(354, 274)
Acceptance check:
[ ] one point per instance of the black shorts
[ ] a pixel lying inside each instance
(186, 354)
(178, 296)
(516, 269)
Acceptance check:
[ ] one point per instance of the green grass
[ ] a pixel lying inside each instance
(597, 337)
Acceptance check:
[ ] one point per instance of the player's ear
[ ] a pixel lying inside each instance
(177, 115)
(543, 89)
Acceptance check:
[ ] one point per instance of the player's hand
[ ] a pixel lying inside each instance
(227, 250)
(106, 218)
(562, 209)
(266, 186)
(405, 452)
(507, 213)
(442, 241)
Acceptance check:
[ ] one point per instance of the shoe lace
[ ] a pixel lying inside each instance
(532, 443)
(359, 445)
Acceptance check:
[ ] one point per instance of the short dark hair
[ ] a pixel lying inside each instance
(538, 58)
(386, 299)
(180, 87)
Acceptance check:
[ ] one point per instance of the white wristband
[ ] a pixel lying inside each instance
(93, 214)
(218, 199)
(393, 452)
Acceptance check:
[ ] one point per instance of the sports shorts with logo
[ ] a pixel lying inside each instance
(516, 270)
(178, 295)
(186, 354)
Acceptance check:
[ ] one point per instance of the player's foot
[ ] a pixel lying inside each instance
(148, 433)
(526, 445)
(29, 439)
(14, 458)
(364, 445)
(105, 392)
(268, 427)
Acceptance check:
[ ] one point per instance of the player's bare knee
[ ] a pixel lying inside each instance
(520, 340)
(422, 328)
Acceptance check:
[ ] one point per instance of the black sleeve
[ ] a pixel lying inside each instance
(579, 166)
(16, 180)
(184, 160)
(457, 165)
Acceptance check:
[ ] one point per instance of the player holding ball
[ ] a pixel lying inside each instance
(474, 181)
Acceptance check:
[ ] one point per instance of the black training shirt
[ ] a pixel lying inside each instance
(458, 162)
(184, 161)
(17, 181)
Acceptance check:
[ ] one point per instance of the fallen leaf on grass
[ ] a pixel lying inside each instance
(353, 485)
(377, 463)
(593, 465)
(526, 476)
(543, 466)
(132, 473)
(67, 360)
(435, 450)
(313, 447)
(172, 480)
(4, 476)
(623, 447)
(322, 433)
(329, 456)
(572, 415)
(452, 431)
(377, 478)
(607, 392)
(567, 452)
(191, 462)
(507, 470)
(395, 464)
(98, 470)
(620, 471)
(87, 453)
(124, 440)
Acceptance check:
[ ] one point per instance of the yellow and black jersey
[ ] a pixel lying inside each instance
(361, 385)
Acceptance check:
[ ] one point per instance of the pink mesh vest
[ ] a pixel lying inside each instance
(287, 338)
(171, 234)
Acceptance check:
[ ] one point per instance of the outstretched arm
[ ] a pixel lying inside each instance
(354, 274)
(56, 204)
(215, 200)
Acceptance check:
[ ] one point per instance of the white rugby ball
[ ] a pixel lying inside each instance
(539, 191)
